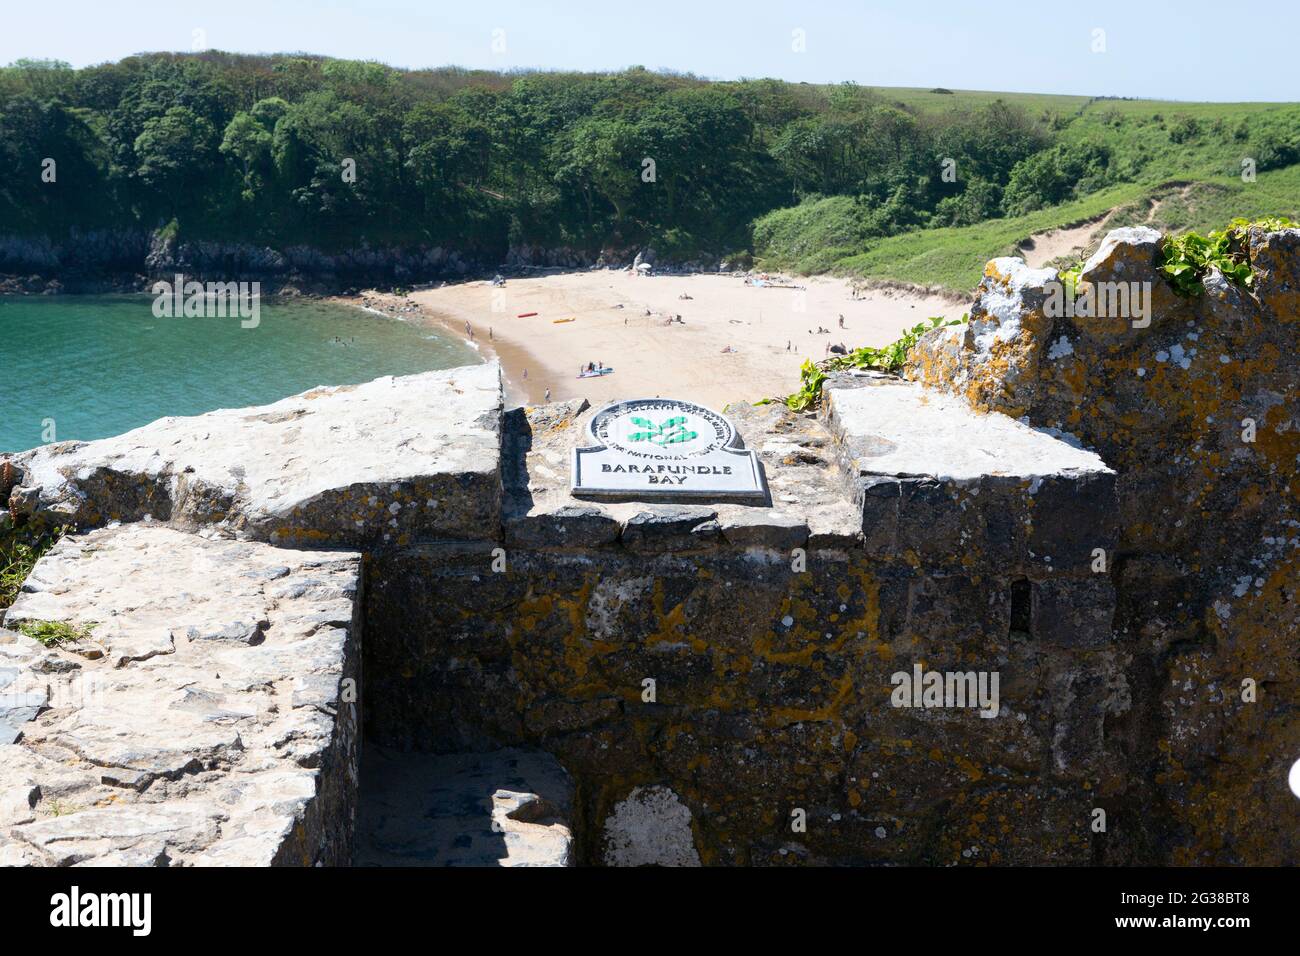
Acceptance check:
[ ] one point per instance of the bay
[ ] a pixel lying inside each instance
(85, 367)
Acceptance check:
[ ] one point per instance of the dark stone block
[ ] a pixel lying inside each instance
(573, 526)
(880, 502)
(1072, 515)
(766, 529)
(1073, 612)
(676, 529)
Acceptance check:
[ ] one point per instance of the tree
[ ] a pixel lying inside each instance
(248, 142)
(175, 154)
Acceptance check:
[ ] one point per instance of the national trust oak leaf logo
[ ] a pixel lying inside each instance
(671, 431)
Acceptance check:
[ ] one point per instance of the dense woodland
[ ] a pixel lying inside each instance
(222, 146)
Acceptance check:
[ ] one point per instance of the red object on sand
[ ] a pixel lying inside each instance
(525, 315)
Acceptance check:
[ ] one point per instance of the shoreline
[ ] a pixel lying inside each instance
(390, 305)
(705, 337)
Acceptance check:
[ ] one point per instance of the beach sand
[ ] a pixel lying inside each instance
(653, 357)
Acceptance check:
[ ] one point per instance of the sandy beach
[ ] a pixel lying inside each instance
(736, 340)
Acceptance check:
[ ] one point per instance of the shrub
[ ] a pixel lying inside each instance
(1185, 260)
(888, 358)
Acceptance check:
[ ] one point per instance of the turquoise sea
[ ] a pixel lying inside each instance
(87, 367)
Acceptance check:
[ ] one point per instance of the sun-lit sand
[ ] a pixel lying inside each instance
(652, 356)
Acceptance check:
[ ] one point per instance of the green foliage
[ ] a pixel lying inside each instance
(1151, 181)
(253, 148)
(54, 633)
(815, 178)
(980, 200)
(869, 170)
(1070, 281)
(1273, 149)
(1056, 175)
(1186, 259)
(1185, 129)
(889, 358)
(811, 377)
(19, 551)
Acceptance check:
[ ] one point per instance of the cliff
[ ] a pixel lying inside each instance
(102, 260)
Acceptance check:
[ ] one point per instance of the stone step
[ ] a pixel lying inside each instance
(501, 808)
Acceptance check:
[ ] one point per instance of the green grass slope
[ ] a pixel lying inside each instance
(1175, 166)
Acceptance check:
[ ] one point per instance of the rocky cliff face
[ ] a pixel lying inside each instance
(129, 260)
(1195, 406)
(1094, 520)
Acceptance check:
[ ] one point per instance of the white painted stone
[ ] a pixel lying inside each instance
(651, 827)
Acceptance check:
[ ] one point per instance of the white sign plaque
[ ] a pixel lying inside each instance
(663, 448)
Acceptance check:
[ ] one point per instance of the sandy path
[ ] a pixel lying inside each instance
(1049, 245)
(652, 357)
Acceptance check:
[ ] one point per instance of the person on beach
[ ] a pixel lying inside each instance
(548, 395)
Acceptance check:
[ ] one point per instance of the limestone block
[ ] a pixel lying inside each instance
(213, 726)
(391, 461)
(945, 484)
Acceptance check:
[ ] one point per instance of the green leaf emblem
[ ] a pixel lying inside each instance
(670, 431)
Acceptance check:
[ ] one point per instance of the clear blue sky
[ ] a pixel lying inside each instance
(1193, 50)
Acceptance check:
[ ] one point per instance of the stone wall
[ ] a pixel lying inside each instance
(771, 634)
(1196, 409)
(1071, 506)
(200, 717)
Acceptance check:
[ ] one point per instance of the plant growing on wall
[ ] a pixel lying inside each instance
(19, 551)
(888, 358)
(1186, 260)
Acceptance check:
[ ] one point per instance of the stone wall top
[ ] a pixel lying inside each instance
(387, 462)
(200, 715)
(806, 504)
(891, 427)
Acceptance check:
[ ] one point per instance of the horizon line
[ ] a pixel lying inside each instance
(659, 71)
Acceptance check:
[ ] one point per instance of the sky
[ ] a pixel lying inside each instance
(1191, 50)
